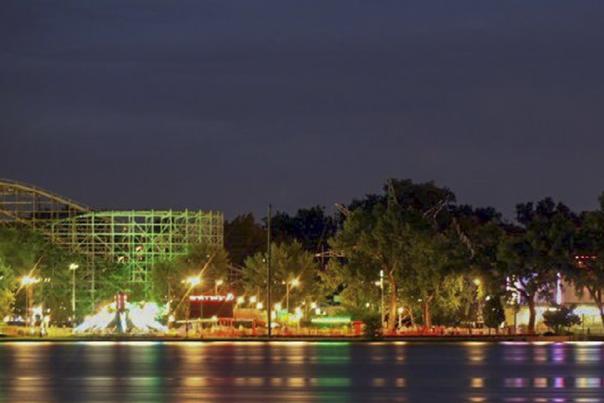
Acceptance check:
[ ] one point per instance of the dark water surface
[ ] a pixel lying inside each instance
(301, 371)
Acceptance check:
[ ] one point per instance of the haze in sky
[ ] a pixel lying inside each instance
(229, 104)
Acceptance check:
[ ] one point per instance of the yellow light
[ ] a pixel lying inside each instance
(253, 299)
(477, 282)
(73, 266)
(193, 280)
(278, 306)
(313, 305)
(240, 300)
(401, 310)
(219, 282)
(259, 305)
(295, 282)
(27, 280)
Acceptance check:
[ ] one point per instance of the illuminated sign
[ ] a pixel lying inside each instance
(331, 320)
(214, 298)
(209, 306)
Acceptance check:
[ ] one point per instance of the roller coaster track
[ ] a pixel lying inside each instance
(132, 240)
(31, 205)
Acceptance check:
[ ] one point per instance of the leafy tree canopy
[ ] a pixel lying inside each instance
(289, 261)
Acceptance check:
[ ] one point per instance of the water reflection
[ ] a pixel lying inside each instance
(476, 372)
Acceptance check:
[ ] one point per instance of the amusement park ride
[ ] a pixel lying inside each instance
(133, 240)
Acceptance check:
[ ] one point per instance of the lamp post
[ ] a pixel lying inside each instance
(380, 284)
(400, 317)
(269, 273)
(477, 282)
(192, 281)
(73, 267)
(288, 286)
(27, 282)
(217, 284)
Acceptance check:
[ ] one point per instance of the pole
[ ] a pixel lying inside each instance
(269, 274)
(27, 305)
(382, 295)
(287, 297)
(73, 297)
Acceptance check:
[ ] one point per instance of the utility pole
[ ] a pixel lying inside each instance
(73, 267)
(287, 296)
(382, 296)
(269, 273)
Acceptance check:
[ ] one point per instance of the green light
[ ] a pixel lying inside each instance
(130, 241)
(331, 320)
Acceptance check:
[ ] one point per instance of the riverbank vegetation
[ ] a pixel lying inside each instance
(410, 253)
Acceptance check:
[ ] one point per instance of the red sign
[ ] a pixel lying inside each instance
(209, 306)
(120, 301)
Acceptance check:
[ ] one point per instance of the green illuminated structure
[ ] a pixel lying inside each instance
(131, 240)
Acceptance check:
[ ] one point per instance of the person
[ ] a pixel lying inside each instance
(44, 324)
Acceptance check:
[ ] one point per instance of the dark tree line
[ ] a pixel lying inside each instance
(441, 262)
(437, 256)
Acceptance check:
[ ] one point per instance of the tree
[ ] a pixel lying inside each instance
(492, 312)
(289, 261)
(352, 288)
(432, 274)
(406, 233)
(482, 231)
(588, 271)
(534, 253)
(561, 318)
(311, 227)
(243, 237)
(208, 262)
(29, 253)
(7, 287)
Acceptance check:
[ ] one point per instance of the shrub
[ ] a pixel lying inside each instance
(561, 318)
(373, 326)
(492, 312)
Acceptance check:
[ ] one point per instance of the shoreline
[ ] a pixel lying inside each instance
(411, 339)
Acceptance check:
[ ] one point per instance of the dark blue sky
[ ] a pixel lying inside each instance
(228, 104)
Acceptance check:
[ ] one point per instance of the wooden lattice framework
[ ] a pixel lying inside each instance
(132, 240)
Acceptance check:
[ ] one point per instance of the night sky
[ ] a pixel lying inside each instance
(229, 104)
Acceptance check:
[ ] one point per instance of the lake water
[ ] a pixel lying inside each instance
(301, 371)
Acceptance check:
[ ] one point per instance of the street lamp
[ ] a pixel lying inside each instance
(477, 282)
(193, 280)
(27, 282)
(400, 317)
(288, 286)
(217, 284)
(73, 267)
(380, 284)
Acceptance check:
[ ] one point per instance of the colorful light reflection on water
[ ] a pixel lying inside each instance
(175, 371)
